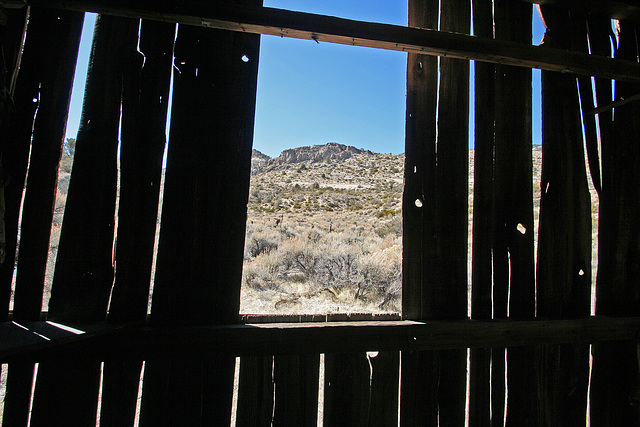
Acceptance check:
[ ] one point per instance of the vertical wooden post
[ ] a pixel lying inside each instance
(199, 265)
(84, 272)
(419, 402)
(615, 377)
(255, 391)
(449, 292)
(383, 408)
(435, 202)
(84, 267)
(144, 118)
(346, 391)
(514, 287)
(480, 393)
(11, 42)
(50, 57)
(564, 242)
(296, 396)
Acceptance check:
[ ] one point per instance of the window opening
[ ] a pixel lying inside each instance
(324, 228)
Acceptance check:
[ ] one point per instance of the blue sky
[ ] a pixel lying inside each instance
(313, 93)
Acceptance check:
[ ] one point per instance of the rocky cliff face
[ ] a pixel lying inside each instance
(326, 154)
(259, 162)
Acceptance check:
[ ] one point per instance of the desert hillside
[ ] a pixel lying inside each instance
(324, 230)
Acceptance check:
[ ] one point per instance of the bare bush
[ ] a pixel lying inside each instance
(339, 266)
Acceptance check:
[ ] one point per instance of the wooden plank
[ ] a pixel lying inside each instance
(14, 150)
(419, 172)
(55, 38)
(347, 396)
(204, 211)
(187, 391)
(296, 396)
(307, 26)
(615, 370)
(155, 393)
(514, 287)
(144, 117)
(77, 400)
(480, 395)
(419, 388)
(601, 41)
(418, 211)
(17, 398)
(448, 293)
(120, 382)
(11, 40)
(83, 275)
(52, 50)
(564, 242)
(385, 377)
(255, 391)
(84, 272)
(143, 342)
(446, 296)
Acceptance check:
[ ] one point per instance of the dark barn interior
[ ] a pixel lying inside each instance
(532, 352)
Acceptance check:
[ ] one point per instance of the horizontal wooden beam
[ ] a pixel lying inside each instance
(108, 342)
(320, 28)
(619, 103)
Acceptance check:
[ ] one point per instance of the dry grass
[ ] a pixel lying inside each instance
(325, 237)
(345, 212)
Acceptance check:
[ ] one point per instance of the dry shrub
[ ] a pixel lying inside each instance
(304, 263)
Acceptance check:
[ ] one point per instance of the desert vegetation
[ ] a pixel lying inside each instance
(324, 234)
(324, 230)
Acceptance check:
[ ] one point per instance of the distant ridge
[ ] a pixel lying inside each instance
(331, 152)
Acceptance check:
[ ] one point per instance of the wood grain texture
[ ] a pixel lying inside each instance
(108, 342)
(296, 396)
(514, 278)
(615, 371)
(207, 178)
(347, 396)
(54, 39)
(146, 79)
(83, 276)
(419, 215)
(255, 391)
(284, 23)
(445, 296)
(144, 118)
(51, 55)
(84, 268)
(480, 392)
(564, 236)
(200, 252)
(385, 374)
(17, 126)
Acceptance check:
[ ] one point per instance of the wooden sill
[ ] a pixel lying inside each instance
(38, 341)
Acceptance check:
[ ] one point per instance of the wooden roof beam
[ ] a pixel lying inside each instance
(320, 28)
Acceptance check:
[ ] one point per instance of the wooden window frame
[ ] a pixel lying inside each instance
(38, 341)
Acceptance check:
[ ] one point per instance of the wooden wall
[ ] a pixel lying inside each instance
(518, 274)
